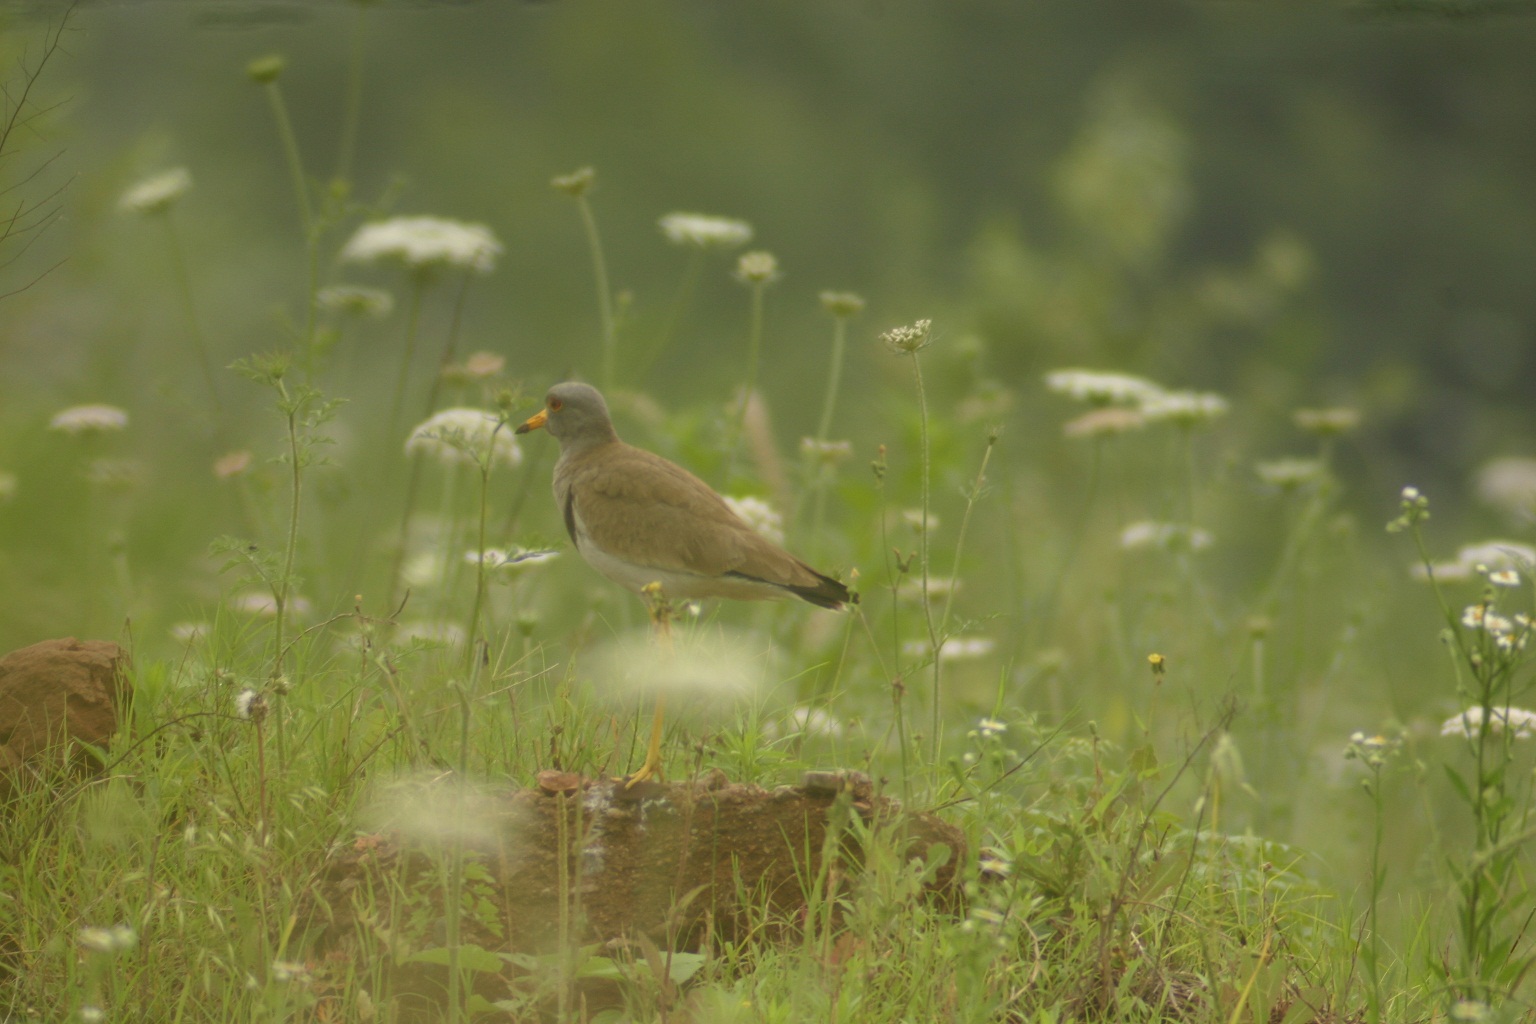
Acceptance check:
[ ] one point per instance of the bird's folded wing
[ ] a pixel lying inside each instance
(641, 508)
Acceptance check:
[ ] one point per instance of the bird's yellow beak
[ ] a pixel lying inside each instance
(533, 422)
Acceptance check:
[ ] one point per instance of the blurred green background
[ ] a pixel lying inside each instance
(1329, 204)
(1293, 205)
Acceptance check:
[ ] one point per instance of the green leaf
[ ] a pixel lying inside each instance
(471, 958)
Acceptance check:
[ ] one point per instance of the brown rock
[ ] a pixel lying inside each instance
(691, 859)
(53, 696)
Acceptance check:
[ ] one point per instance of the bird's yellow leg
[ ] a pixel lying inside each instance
(652, 765)
(661, 621)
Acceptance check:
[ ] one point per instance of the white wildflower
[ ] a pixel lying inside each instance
(89, 419)
(261, 602)
(995, 865)
(909, 339)
(484, 365)
(1102, 388)
(967, 648)
(757, 268)
(188, 632)
(157, 192)
(989, 727)
(842, 304)
(107, 940)
(1326, 422)
(92, 1014)
(456, 437)
(232, 464)
(1164, 536)
(284, 971)
(807, 722)
(247, 702)
(828, 453)
(914, 518)
(1469, 724)
(705, 232)
(761, 516)
(960, 648)
(938, 587)
(1509, 484)
(424, 243)
(1504, 578)
(374, 303)
(1105, 422)
(1482, 559)
(1185, 408)
(516, 558)
(1290, 474)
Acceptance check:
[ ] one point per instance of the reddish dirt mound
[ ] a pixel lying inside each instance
(55, 695)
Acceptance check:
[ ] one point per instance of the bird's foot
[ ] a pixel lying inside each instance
(647, 771)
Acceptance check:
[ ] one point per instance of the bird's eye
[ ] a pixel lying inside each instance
(555, 404)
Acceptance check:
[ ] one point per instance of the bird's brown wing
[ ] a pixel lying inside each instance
(641, 508)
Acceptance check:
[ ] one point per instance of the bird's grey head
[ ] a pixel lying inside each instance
(575, 414)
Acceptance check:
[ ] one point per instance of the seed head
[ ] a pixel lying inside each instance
(757, 268)
(842, 304)
(909, 339)
(1327, 422)
(264, 70)
(355, 300)
(576, 184)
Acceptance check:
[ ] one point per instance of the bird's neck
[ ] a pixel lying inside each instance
(571, 447)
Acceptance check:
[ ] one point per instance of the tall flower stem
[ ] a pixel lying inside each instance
(480, 567)
(412, 329)
(450, 346)
(686, 286)
(347, 140)
(754, 350)
(604, 292)
(189, 310)
(290, 153)
(933, 631)
(291, 410)
(834, 377)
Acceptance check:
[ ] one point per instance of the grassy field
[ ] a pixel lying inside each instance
(1231, 724)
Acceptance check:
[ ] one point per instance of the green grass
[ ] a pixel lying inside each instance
(1186, 845)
